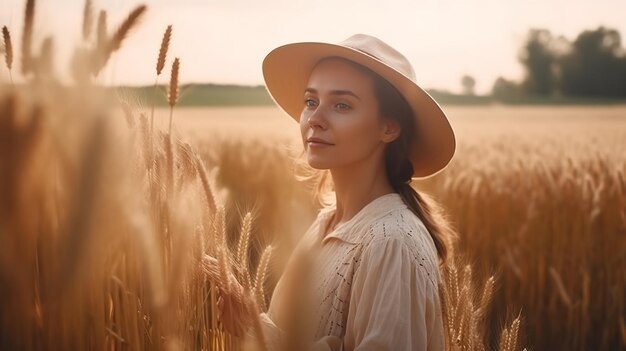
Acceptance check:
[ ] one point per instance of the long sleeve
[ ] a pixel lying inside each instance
(394, 303)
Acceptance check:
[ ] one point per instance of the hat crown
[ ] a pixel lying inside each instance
(382, 52)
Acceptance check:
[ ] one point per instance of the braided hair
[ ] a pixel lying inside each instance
(399, 168)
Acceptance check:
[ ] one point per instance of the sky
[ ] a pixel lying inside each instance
(225, 41)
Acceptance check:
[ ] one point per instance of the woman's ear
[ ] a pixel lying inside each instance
(390, 130)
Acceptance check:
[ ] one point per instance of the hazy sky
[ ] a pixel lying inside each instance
(225, 41)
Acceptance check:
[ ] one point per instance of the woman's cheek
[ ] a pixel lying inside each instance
(304, 130)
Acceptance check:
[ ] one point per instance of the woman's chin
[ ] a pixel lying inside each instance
(318, 164)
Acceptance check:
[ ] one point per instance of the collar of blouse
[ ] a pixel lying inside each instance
(352, 231)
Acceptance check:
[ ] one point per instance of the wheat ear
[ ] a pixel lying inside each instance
(165, 44)
(172, 96)
(486, 297)
(259, 278)
(123, 30)
(8, 50)
(514, 334)
(106, 47)
(242, 249)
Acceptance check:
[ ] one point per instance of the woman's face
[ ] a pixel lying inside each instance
(340, 122)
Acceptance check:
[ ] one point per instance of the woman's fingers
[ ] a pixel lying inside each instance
(234, 313)
(233, 305)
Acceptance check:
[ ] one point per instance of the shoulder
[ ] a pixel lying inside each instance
(400, 225)
(401, 231)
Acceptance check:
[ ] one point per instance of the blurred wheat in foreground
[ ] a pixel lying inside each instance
(114, 235)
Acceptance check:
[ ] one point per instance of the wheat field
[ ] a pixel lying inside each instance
(121, 224)
(538, 195)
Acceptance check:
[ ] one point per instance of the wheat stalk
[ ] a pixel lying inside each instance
(107, 47)
(101, 30)
(165, 44)
(169, 152)
(560, 287)
(27, 36)
(206, 185)
(44, 66)
(87, 20)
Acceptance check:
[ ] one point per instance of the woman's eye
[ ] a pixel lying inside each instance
(342, 106)
(310, 103)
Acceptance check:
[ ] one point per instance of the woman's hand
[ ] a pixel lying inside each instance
(235, 314)
(235, 306)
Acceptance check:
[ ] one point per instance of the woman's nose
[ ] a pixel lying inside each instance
(317, 119)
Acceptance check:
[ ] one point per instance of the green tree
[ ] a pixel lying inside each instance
(539, 59)
(596, 65)
(468, 83)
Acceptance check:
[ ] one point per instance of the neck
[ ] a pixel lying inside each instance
(356, 186)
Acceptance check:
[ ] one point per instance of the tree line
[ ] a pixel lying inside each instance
(591, 66)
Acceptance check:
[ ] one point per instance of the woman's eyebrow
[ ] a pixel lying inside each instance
(334, 92)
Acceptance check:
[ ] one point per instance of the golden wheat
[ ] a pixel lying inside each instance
(27, 36)
(87, 20)
(165, 44)
(135, 282)
(8, 48)
(107, 47)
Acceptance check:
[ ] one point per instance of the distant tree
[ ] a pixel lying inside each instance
(596, 65)
(539, 58)
(505, 90)
(468, 83)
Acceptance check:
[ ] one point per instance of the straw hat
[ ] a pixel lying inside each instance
(287, 68)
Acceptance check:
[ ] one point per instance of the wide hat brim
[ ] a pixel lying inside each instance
(287, 68)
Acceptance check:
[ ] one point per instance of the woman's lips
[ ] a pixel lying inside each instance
(317, 142)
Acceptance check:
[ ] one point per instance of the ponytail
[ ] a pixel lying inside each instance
(426, 209)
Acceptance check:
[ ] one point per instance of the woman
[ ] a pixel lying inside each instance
(379, 246)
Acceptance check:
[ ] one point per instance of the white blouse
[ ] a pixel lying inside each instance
(376, 282)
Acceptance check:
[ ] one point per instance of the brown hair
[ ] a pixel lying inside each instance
(398, 166)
